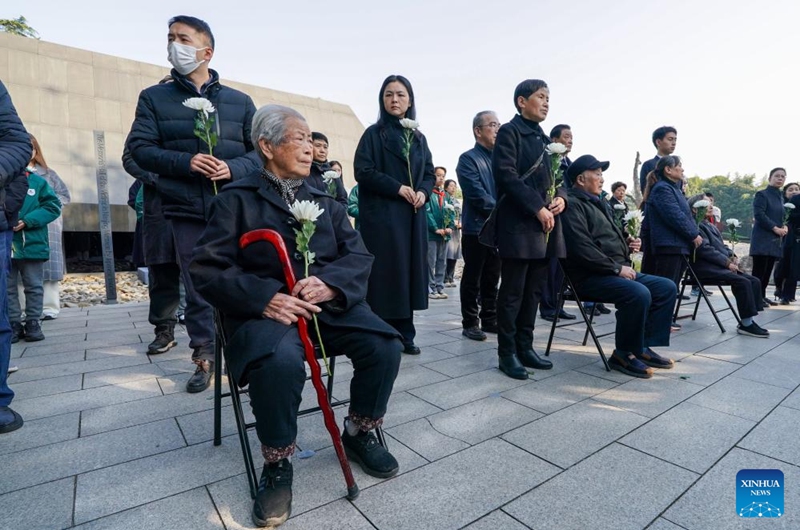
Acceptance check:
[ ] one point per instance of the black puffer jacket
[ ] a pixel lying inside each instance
(162, 141)
(15, 153)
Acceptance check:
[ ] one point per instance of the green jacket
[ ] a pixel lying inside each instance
(41, 207)
(352, 205)
(441, 214)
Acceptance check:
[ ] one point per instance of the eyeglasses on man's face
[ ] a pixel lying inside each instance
(491, 125)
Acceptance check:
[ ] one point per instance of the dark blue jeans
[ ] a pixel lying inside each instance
(644, 308)
(6, 394)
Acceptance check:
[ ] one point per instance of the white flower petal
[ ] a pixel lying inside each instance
(330, 176)
(200, 104)
(789, 206)
(733, 222)
(701, 204)
(619, 206)
(556, 148)
(306, 210)
(409, 124)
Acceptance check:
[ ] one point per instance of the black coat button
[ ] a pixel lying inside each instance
(298, 256)
(291, 221)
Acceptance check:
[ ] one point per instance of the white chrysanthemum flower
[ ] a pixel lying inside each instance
(200, 104)
(409, 124)
(789, 206)
(733, 222)
(702, 203)
(556, 148)
(448, 206)
(329, 176)
(633, 215)
(619, 206)
(306, 211)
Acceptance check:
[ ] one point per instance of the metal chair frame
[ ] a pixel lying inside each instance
(690, 278)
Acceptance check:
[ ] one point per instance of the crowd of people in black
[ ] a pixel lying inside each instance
(528, 216)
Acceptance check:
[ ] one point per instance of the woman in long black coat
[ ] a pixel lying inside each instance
(788, 270)
(392, 212)
(765, 241)
(525, 217)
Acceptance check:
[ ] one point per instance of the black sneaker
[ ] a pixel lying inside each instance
(410, 349)
(201, 378)
(9, 420)
(603, 309)
(753, 330)
(33, 331)
(473, 333)
(490, 327)
(273, 503)
(165, 339)
(17, 332)
(374, 459)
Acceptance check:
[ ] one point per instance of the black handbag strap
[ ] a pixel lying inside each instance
(527, 174)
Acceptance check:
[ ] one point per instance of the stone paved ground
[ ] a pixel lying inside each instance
(112, 440)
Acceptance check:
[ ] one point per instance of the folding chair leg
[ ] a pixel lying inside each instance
(381, 437)
(680, 300)
(730, 306)
(217, 393)
(697, 303)
(559, 307)
(591, 320)
(590, 331)
(244, 440)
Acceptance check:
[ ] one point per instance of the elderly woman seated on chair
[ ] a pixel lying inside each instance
(599, 265)
(248, 287)
(713, 262)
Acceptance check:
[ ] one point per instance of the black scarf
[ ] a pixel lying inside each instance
(286, 188)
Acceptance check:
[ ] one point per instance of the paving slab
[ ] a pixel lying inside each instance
(773, 370)
(461, 346)
(793, 400)
(663, 524)
(700, 370)
(131, 484)
(100, 342)
(675, 436)
(25, 509)
(568, 436)
(776, 436)
(25, 363)
(710, 504)
(425, 440)
(497, 520)
(72, 457)
(47, 387)
(41, 432)
(649, 397)
(466, 364)
(483, 419)
(83, 400)
(555, 393)
(121, 375)
(193, 509)
(740, 397)
(442, 495)
(460, 390)
(612, 484)
(79, 366)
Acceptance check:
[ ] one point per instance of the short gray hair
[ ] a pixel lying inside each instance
(476, 121)
(269, 123)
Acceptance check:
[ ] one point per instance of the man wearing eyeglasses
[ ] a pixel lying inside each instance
(481, 263)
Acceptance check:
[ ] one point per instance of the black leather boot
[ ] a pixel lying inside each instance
(530, 359)
(510, 365)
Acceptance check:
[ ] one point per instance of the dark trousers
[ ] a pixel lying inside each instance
(785, 278)
(517, 302)
(199, 314)
(670, 266)
(165, 293)
(478, 283)
(644, 308)
(450, 271)
(276, 381)
(404, 326)
(555, 280)
(762, 269)
(6, 394)
(746, 289)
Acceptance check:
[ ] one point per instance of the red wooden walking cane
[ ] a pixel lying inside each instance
(276, 239)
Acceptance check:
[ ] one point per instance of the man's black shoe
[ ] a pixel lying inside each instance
(602, 308)
(165, 339)
(490, 327)
(769, 302)
(530, 359)
(17, 332)
(548, 317)
(273, 503)
(473, 333)
(753, 330)
(201, 378)
(374, 459)
(510, 365)
(684, 297)
(9, 420)
(33, 331)
(410, 349)
(566, 316)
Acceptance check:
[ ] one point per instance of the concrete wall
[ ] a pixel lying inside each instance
(63, 94)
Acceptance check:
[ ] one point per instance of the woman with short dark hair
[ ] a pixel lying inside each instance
(788, 270)
(768, 229)
(395, 179)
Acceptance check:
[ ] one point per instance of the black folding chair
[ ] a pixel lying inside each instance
(588, 319)
(235, 393)
(691, 279)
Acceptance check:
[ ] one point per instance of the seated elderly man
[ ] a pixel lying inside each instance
(598, 263)
(715, 262)
(260, 314)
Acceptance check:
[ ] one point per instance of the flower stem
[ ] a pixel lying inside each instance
(319, 335)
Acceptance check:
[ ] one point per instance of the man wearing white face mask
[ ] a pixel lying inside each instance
(163, 141)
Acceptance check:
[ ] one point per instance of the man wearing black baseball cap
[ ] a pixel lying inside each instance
(598, 263)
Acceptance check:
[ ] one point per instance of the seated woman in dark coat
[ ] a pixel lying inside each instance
(259, 312)
(715, 262)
